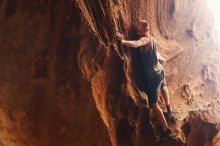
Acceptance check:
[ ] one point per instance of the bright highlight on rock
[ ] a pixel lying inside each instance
(214, 6)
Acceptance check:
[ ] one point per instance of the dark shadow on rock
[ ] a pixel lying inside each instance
(168, 142)
(124, 132)
(145, 132)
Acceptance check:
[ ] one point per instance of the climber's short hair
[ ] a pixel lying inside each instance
(144, 23)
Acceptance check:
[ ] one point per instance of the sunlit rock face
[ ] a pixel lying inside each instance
(66, 81)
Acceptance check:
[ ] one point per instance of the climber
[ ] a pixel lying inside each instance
(153, 70)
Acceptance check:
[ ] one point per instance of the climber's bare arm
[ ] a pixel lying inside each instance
(135, 44)
(161, 59)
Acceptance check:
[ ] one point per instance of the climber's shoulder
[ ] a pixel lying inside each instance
(152, 38)
(148, 45)
(145, 39)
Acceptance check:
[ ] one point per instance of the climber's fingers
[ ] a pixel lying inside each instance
(119, 36)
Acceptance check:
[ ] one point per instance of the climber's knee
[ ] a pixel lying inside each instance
(153, 106)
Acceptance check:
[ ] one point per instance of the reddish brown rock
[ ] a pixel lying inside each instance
(64, 80)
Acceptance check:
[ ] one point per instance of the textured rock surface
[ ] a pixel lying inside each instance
(64, 81)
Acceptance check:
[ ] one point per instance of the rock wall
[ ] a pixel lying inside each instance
(65, 81)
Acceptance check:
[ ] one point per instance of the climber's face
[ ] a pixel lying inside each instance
(141, 30)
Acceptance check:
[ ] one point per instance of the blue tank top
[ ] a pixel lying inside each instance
(149, 60)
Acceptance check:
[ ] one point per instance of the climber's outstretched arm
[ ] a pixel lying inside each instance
(135, 44)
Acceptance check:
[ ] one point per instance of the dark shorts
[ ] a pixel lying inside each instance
(153, 86)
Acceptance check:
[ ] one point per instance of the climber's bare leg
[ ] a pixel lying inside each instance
(165, 94)
(159, 114)
(166, 97)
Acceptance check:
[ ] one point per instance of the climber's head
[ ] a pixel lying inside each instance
(143, 28)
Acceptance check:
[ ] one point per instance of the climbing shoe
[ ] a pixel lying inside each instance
(166, 134)
(169, 110)
(169, 115)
